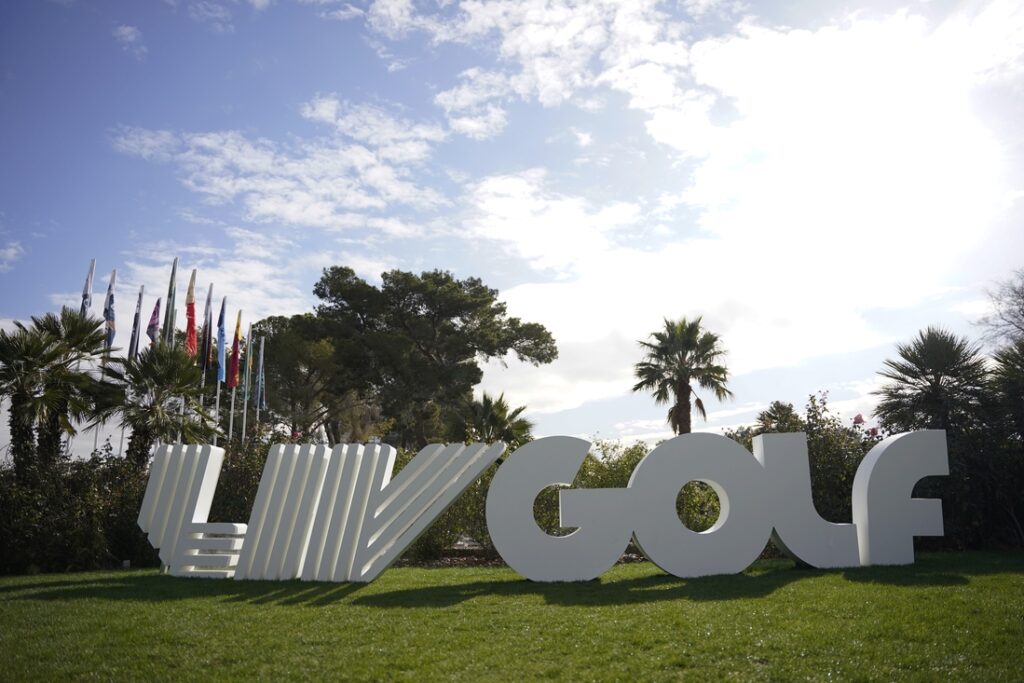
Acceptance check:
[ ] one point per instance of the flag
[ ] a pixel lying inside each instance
(236, 351)
(190, 316)
(259, 396)
(168, 330)
(87, 290)
(153, 330)
(133, 345)
(221, 351)
(204, 362)
(248, 365)
(108, 311)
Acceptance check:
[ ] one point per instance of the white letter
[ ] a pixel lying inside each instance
(887, 518)
(601, 514)
(745, 522)
(799, 531)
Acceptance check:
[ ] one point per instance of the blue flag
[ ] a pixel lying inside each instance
(87, 289)
(222, 370)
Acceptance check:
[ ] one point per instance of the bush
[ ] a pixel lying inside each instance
(75, 515)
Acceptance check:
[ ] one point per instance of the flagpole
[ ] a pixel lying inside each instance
(83, 311)
(221, 360)
(260, 388)
(216, 413)
(109, 327)
(133, 347)
(231, 416)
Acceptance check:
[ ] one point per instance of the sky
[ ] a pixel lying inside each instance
(817, 180)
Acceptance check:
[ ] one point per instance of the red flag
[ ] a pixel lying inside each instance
(191, 346)
(233, 366)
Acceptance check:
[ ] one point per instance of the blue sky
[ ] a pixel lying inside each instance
(818, 180)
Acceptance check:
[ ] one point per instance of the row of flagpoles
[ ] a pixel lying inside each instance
(228, 370)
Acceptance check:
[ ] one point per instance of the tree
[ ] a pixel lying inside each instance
(300, 368)
(154, 384)
(937, 382)
(415, 343)
(24, 359)
(1008, 383)
(492, 419)
(41, 373)
(779, 417)
(81, 340)
(1006, 322)
(680, 355)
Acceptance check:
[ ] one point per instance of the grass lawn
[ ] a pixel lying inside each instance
(949, 616)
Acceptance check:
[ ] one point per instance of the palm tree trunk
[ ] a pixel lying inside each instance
(685, 421)
(50, 442)
(139, 444)
(23, 442)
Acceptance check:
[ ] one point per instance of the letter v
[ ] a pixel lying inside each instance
(365, 521)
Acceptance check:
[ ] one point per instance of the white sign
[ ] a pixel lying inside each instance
(336, 515)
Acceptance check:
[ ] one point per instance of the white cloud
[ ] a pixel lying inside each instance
(130, 40)
(550, 231)
(393, 18)
(485, 124)
(553, 46)
(344, 13)
(321, 183)
(471, 107)
(9, 253)
(395, 139)
(583, 138)
(217, 16)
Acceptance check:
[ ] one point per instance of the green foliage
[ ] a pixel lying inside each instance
(79, 514)
(1008, 384)
(240, 479)
(415, 342)
(153, 384)
(41, 373)
(942, 381)
(937, 382)
(300, 369)
(493, 419)
(683, 353)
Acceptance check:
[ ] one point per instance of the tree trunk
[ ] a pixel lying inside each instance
(685, 420)
(139, 444)
(23, 442)
(50, 441)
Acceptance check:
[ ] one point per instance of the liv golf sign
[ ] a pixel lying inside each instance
(335, 514)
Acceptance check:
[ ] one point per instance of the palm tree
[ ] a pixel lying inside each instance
(81, 340)
(492, 419)
(1008, 381)
(779, 417)
(154, 384)
(24, 359)
(935, 383)
(40, 370)
(680, 355)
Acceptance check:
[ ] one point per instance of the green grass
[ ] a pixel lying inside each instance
(949, 616)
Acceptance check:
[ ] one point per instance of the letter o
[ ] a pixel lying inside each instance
(743, 527)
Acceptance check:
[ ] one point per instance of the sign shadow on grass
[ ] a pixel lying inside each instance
(157, 588)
